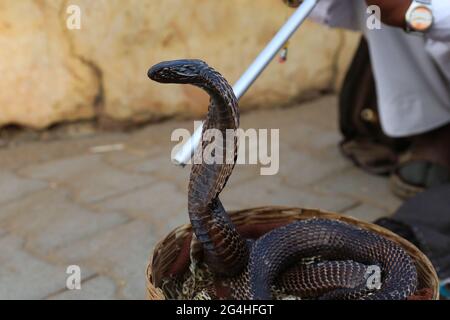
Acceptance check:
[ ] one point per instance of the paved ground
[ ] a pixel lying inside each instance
(63, 203)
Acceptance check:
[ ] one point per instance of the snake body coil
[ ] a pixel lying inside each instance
(341, 254)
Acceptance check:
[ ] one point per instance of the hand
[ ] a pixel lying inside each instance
(293, 3)
(392, 12)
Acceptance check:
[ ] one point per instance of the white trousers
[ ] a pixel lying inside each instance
(413, 94)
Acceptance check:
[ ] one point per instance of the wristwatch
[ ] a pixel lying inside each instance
(419, 17)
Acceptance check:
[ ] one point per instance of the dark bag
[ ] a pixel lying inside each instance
(425, 221)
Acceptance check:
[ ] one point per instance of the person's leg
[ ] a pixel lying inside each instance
(414, 101)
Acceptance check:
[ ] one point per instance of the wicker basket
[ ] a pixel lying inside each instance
(168, 252)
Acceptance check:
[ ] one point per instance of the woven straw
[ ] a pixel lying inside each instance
(168, 250)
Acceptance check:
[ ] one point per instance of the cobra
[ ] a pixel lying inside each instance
(314, 258)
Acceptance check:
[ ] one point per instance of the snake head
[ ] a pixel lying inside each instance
(177, 71)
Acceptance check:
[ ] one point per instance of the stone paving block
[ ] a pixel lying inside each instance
(320, 113)
(363, 187)
(158, 134)
(121, 253)
(366, 212)
(123, 157)
(97, 288)
(310, 138)
(23, 276)
(88, 177)
(300, 169)
(162, 168)
(270, 191)
(270, 119)
(13, 187)
(22, 154)
(243, 173)
(48, 220)
(161, 202)
(131, 153)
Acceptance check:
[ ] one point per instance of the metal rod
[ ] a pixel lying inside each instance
(253, 72)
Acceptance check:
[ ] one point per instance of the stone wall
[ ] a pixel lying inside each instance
(50, 74)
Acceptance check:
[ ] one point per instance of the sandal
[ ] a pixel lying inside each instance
(374, 158)
(413, 176)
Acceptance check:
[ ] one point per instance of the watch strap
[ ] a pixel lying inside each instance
(427, 2)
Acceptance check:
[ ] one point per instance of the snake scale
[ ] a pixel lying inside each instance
(339, 253)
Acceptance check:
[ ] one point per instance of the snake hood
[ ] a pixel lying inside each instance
(226, 252)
